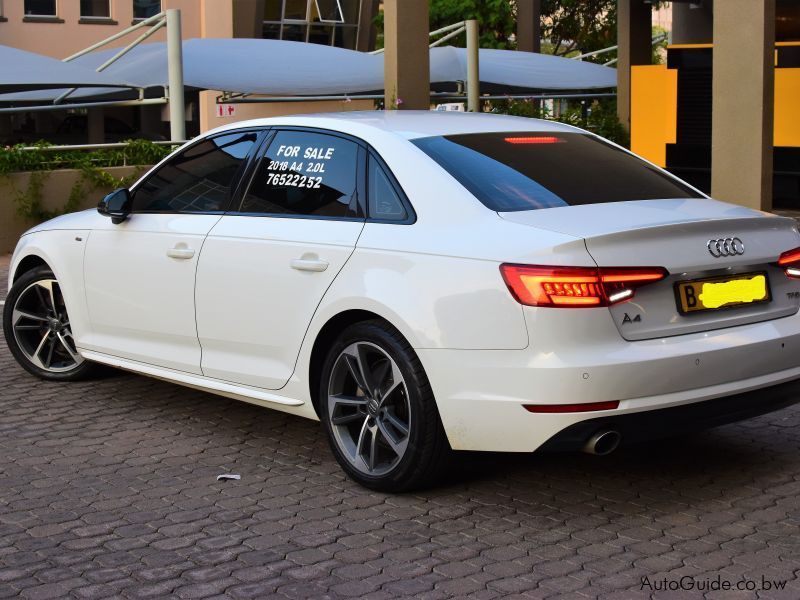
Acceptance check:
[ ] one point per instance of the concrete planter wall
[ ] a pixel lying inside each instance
(55, 191)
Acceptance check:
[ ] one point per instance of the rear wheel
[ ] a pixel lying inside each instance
(37, 328)
(379, 412)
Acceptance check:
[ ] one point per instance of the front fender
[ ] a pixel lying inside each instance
(63, 251)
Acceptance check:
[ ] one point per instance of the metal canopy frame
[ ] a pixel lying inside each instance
(173, 93)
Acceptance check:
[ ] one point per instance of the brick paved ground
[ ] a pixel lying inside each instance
(109, 488)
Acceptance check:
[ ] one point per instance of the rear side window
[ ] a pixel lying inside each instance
(527, 171)
(305, 173)
(199, 179)
(384, 200)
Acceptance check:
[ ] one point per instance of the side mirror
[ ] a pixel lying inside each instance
(116, 205)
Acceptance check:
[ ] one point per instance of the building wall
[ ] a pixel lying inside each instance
(662, 17)
(210, 117)
(61, 39)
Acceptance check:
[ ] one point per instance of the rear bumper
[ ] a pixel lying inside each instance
(665, 422)
(481, 394)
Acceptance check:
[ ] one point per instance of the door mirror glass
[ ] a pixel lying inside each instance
(116, 205)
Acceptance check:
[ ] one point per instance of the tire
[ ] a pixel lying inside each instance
(36, 328)
(388, 438)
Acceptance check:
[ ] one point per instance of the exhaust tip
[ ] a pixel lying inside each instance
(603, 442)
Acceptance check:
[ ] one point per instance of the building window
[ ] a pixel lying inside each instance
(144, 9)
(328, 22)
(328, 11)
(40, 8)
(296, 10)
(95, 9)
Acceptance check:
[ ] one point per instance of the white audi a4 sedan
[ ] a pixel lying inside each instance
(423, 282)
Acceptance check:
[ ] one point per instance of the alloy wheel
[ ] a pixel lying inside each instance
(41, 327)
(368, 408)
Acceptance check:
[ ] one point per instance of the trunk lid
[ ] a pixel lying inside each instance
(674, 234)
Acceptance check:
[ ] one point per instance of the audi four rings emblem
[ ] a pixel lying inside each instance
(725, 247)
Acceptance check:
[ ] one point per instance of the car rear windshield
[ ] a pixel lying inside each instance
(527, 171)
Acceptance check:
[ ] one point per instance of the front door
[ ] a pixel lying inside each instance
(266, 266)
(140, 274)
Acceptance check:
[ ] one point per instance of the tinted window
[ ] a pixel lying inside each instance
(199, 179)
(45, 8)
(95, 8)
(142, 9)
(384, 202)
(304, 173)
(527, 171)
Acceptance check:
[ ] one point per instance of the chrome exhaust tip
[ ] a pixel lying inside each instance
(603, 442)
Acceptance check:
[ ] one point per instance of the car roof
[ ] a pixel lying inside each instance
(409, 124)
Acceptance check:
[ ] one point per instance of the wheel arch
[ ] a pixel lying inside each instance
(322, 343)
(29, 263)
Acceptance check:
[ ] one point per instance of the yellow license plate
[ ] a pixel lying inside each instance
(722, 292)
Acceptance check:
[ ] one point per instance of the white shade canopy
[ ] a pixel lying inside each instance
(21, 70)
(283, 68)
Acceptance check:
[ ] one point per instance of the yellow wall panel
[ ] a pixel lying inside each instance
(787, 107)
(654, 110)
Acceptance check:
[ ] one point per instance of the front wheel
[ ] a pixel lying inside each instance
(37, 329)
(379, 412)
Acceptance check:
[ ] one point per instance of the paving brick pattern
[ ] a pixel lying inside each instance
(108, 489)
(4, 260)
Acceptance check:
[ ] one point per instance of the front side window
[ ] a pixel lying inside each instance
(95, 9)
(305, 173)
(40, 8)
(528, 171)
(144, 9)
(200, 179)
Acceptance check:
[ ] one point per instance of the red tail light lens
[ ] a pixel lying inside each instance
(576, 287)
(790, 261)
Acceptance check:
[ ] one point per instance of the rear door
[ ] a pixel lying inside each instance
(266, 265)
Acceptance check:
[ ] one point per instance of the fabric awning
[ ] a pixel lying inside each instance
(21, 70)
(283, 68)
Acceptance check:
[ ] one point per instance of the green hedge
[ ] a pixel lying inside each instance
(41, 162)
(14, 159)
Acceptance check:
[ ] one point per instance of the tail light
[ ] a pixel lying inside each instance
(790, 261)
(576, 287)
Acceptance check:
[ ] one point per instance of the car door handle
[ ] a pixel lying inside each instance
(309, 264)
(181, 251)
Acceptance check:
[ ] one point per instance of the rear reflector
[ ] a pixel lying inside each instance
(538, 139)
(576, 287)
(572, 408)
(790, 261)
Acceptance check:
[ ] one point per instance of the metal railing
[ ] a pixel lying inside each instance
(656, 40)
(100, 146)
